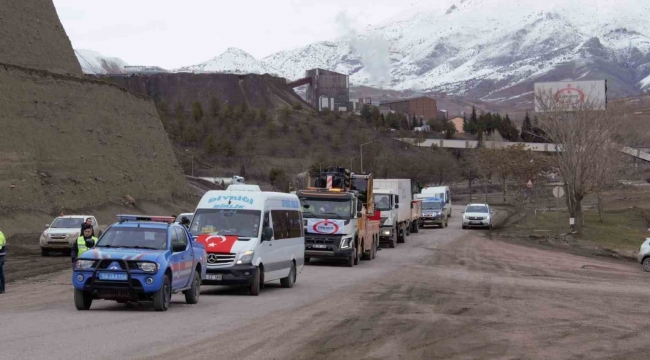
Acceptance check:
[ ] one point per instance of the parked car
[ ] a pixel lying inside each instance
(63, 232)
(644, 255)
(477, 215)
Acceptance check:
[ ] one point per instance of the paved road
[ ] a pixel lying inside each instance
(445, 294)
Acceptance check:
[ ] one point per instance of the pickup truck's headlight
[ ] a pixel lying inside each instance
(84, 264)
(246, 257)
(346, 242)
(148, 267)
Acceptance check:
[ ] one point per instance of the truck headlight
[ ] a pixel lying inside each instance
(84, 264)
(385, 232)
(346, 242)
(148, 267)
(246, 257)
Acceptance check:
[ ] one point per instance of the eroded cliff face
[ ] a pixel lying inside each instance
(74, 143)
(258, 91)
(32, 36)
(68, 142)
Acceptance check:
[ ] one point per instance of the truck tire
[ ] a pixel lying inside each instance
(82, 300)
(367, 255)
(350, 261)
(401, 238)
(357, 253)
(407, 229)
(393, 240)
(289, 280)
(163, 296)
(416, 227)
(256, 285)
(45, 252)
(373, 254)
(192, 295)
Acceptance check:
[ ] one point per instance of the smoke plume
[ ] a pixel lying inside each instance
(373, 49)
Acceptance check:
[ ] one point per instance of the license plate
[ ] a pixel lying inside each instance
(475, 222)
(216, 277)
(108, 276)
(320, 246)
(114, 294)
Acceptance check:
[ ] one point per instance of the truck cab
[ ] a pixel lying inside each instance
(337, 217)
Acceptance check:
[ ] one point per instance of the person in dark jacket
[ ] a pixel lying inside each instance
(83, 243)
(89, 222)
(185, 222)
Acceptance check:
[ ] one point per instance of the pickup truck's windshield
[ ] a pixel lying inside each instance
(431, 206)
(155, 239)
(326, 208)
(67, 223)
(382, 202)
(242, 223)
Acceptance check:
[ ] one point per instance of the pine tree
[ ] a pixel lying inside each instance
(481, 141)
(508, 130)
(538, 134)
(527, 134)
(473, 122)
(215, 107)
(466, 126)
(197, 111)
(366, 113)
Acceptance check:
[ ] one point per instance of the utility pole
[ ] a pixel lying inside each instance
(361, 148)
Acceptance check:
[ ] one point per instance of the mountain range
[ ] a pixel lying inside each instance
(490, 50)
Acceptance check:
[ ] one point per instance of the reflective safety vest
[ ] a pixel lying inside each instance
(3, 243)
(81, 245)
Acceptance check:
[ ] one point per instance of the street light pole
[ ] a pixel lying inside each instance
(361, 148)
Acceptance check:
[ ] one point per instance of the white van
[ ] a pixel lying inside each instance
(251, 236)
(439, 192)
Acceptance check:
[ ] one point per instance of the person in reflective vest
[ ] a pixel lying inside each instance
(83, 243)
(3, 252)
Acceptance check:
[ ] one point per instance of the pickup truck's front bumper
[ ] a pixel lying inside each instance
(139, 286)
(233, 275)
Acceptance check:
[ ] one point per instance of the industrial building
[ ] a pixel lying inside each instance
(423, 107)
(326, 89)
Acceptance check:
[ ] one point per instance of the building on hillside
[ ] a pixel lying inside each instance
(422, 108)
(144, 70)
(357, 104)
(458, 123)
(442, 115)
(327, 89)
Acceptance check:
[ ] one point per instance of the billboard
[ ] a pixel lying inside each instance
(569, 94)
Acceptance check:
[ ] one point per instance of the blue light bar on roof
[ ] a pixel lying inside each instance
(165, 219)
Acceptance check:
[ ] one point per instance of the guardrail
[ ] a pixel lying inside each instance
(540, 147)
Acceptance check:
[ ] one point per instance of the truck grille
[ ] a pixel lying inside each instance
(221, 258)
(326, 241)
(58, 237)
(476, 218)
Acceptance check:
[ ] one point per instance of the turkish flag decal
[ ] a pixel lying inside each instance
(217, 243)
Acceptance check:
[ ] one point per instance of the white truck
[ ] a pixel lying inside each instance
(393, 198)
(439, 192)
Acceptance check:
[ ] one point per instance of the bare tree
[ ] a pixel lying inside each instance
(590, 138)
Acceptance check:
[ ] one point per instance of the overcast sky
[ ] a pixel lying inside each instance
(172, 33)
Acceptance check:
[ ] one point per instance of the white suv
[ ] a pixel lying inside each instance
(477, 215)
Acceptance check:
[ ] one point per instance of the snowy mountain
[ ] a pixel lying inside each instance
(95, 63)
(232, 61)
(485, 49)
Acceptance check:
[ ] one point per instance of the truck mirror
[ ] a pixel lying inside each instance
(47, 226)
(267, 234)
(396, 206)
(359, 214)
(396, 199)
(90, 243)
(178, 247)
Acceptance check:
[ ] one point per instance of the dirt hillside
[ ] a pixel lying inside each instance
(31, 35)
(258, 91)
(70, 143)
